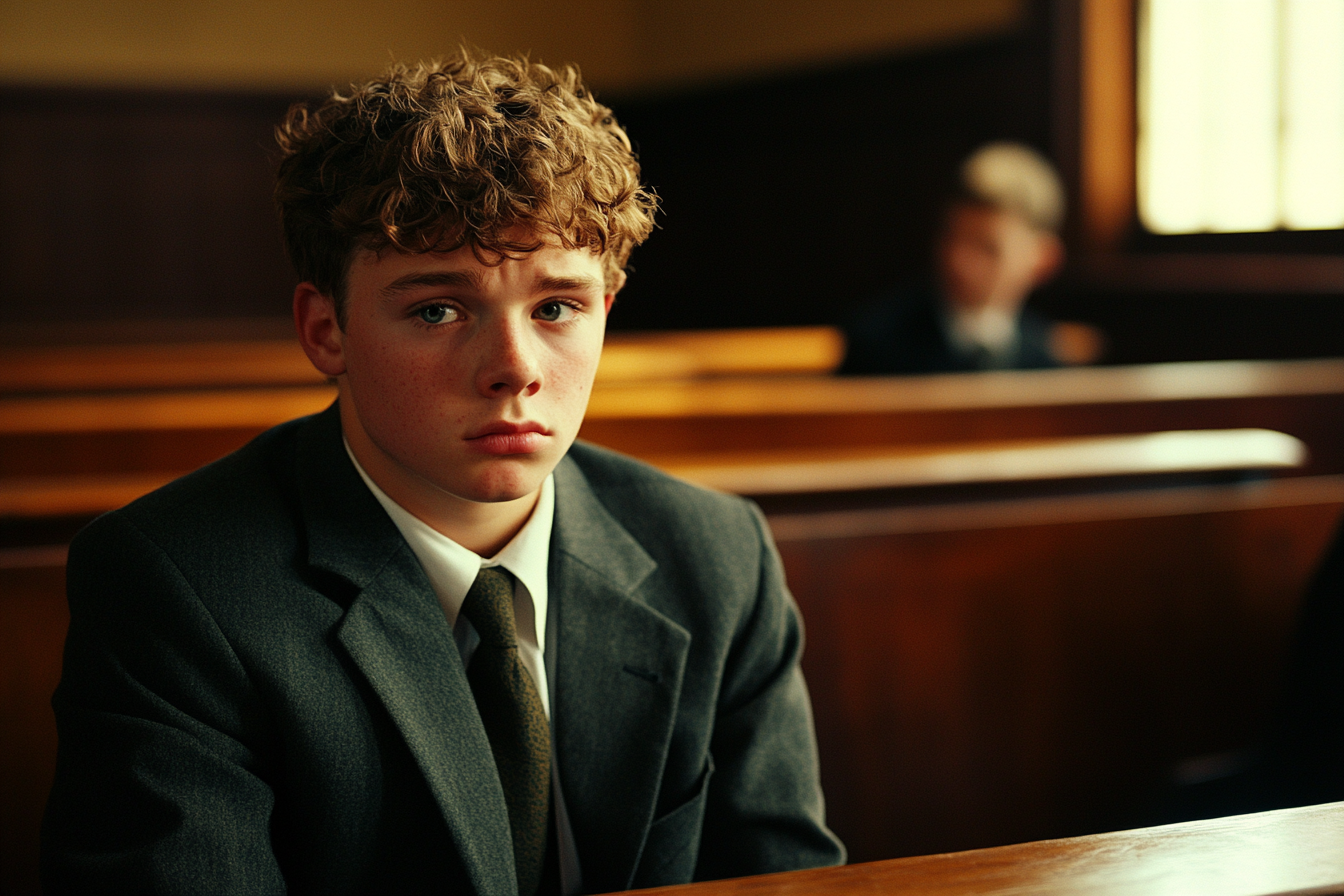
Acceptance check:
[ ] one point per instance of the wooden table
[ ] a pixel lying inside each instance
(1285, 851)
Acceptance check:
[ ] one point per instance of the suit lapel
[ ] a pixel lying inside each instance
(396, 633)
(618, 670)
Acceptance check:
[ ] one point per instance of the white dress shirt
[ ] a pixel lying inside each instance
(451, 570)
(991, 330)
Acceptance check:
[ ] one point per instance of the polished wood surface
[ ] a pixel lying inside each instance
(86, 494)
(760, 473)
(182, 429)
(801, 471)
(824, 396)
(280, 362)
(1304, 399)
(1285, 851)
(175, 365)
(690, 354)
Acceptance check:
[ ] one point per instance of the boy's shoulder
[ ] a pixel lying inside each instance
(660, 509)
(233, 495)
(616, 477)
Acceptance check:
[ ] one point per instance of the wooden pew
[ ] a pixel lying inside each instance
(963, 470)
(177, 430)
(981, 673)
(1302, 398)
(626, 357)
(991, 672)
(987, 676)
(893, 747)
(764, 475)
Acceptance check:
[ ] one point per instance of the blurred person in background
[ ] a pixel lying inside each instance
(998, 242)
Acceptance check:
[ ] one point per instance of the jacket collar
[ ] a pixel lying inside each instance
(396, 633)
(618, 666)
(619, 670)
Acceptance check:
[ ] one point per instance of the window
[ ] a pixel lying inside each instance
(1241, 115)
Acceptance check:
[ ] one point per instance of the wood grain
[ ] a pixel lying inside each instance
(1284, 851)
(281, 362)
(796, 471)
(181, 429)
(996, 672)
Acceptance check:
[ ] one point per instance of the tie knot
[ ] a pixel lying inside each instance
(489, 606)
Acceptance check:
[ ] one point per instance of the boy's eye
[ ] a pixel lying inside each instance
(553, 311)
(436, 314)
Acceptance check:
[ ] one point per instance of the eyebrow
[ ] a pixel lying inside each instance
(568, 284)
(469, 279)
(472, 280)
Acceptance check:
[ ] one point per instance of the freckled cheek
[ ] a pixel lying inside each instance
(571, 378)
(405, 395)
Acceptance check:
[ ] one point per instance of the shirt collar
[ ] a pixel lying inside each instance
(452, 568)
(991, 329)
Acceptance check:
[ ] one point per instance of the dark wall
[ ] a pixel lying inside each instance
(135, 205)
(787, 200)
(1143, 327)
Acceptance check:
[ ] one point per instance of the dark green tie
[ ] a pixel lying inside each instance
(515, 721)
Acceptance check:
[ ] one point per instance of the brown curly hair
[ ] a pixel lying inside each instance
(460, 152)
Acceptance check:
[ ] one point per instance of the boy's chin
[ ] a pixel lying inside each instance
(499, 486)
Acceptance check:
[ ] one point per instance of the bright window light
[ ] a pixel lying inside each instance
(1313, 115)
(1241, 115)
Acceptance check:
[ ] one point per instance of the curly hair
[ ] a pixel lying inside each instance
(460, 152)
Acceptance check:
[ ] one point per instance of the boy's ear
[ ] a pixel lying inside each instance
(1049, 258)
(614, 287)
(319, 330)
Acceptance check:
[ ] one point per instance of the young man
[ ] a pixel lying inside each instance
(423, 641)
(997, 244)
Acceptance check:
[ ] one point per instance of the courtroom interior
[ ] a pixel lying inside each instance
(1038, 603)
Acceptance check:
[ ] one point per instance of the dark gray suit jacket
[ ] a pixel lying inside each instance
(261, 692)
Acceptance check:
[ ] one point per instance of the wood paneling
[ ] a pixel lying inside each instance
(34, 617)
(122, 205)
(986, 674)
(789, 200)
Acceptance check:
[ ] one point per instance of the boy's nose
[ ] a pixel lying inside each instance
(510, 365)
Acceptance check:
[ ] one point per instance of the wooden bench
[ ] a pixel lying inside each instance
(1017, 617)
(992, 672)
(981, 672)
(178, 430)
(626, 357)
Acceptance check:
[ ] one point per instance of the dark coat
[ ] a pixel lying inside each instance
(261, 692)
(904, 333)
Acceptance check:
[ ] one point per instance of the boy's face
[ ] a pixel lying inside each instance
(461, 381)
(992, 258)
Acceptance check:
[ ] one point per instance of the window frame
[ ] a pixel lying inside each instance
(1096, 127)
